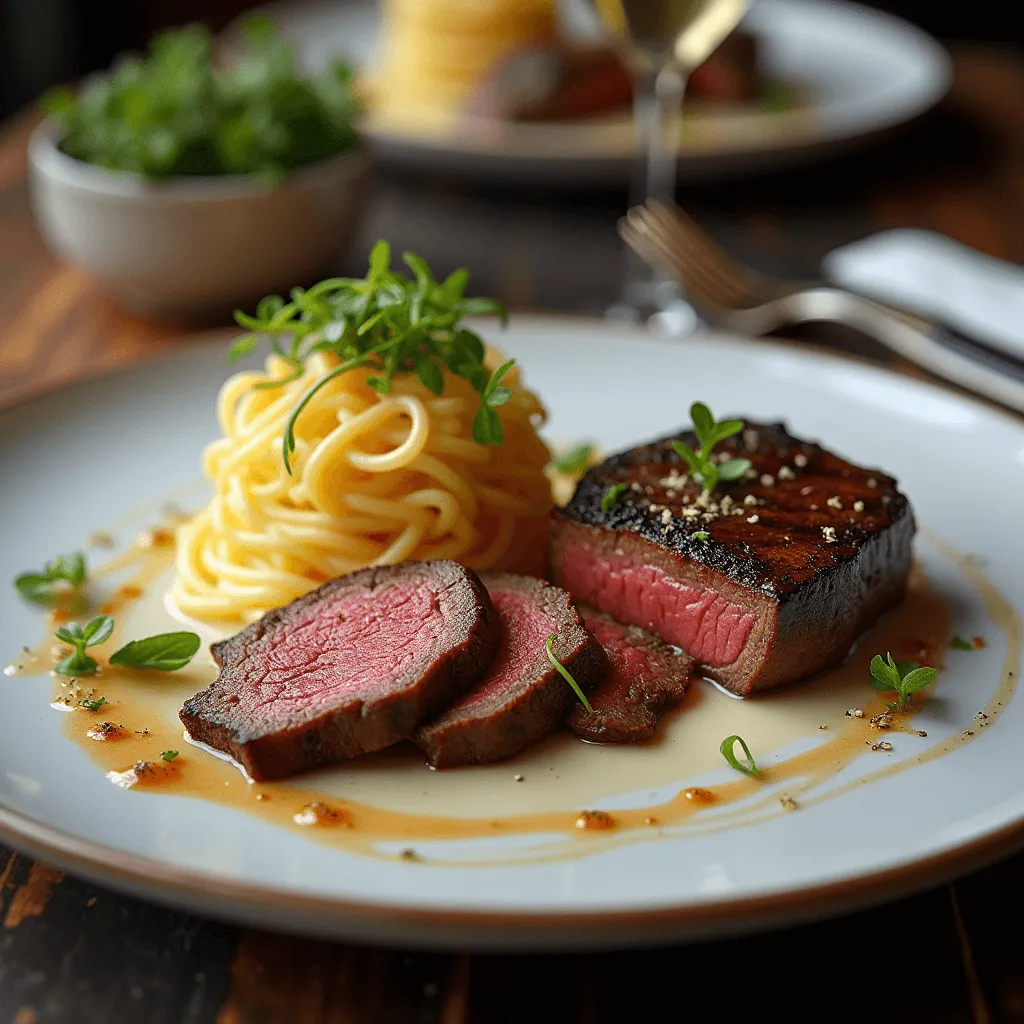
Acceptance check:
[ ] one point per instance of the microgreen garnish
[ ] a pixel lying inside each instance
(960, 644)
(574, 461)
(905, 677)
(612, 495)
(168, 755)
(180, 111)
(566, 674)
(709, 433)
(389, 323)
(95, 631)
(701, 535)
(92, 703)
(66, 573)
(729, 753)
(165, 652)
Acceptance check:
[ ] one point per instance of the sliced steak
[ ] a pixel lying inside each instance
(523, 697)
(349, 668)
(647, 678)
(769, 579)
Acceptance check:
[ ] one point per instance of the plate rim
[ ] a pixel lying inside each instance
(533, 928)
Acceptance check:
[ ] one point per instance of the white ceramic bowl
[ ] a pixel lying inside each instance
(189, 245)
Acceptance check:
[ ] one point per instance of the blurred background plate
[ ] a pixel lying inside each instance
(861, 73)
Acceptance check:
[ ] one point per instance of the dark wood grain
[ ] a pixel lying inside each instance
(71, 952)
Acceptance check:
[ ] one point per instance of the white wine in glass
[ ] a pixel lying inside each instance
(662, 41)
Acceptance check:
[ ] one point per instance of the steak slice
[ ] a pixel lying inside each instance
(523, 697)
(349, 668)
(647, 678)
(769, 579)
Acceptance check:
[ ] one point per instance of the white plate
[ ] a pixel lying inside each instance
(864, 72)
(78, 460)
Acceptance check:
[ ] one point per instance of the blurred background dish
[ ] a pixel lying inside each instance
(210, 242)
(802, 77)
(188, 184)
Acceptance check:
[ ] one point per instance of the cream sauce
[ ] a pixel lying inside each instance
(801, 737)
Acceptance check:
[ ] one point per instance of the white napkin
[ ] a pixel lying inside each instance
(927, 273)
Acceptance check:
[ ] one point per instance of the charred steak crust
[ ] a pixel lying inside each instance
(523, 697)
(807, 549)
(236, 713)
(647, 677)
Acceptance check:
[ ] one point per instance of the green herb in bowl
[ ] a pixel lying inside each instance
(177, 112)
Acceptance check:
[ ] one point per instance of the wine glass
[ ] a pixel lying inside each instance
(661, 42)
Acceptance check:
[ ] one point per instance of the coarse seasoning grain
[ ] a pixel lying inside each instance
(858, 506)
(750, 500)
(753, 519)
(785, 473)
(800, 460)
(767, 480)
(666, 517)
(829, 533)
(834, 502)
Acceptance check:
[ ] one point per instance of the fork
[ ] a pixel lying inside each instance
(732, 295)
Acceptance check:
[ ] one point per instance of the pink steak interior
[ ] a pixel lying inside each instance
(525, 629)
(348, 647)
(695, 618)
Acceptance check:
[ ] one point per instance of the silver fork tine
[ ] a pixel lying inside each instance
(735, 279)
(672, 238)
(655, 245)
(693, 260)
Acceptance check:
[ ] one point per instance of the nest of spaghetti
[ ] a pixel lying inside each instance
(375, 480)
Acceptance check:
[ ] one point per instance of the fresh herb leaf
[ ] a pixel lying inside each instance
(728, 750)
(574, 461)
(179, 111)
(389, 323)
(905, 677)
(566, 674)
(960, 644)
(709, 433)
(75, 635)
(165, 652)
(701, 535)
(612, 495)
(92, 703)
(241, 347)
(64, 576)
(168, 755)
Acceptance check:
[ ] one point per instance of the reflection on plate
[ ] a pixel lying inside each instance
(841, 819)
(860, 73)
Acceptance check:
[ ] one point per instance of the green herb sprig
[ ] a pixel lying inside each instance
(905, 677)
(64, 577)
(709, 433)
(168, 755)
(574, 461)
(165, 652)
(958, 643)
(80, 637)
(566, 674)
(92, 703)
(175, 111)
(389, 323)
(728, 749)
(612, 495)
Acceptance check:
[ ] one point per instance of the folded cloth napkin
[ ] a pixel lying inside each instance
(927, 273)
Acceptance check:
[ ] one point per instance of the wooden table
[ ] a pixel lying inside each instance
(73, 952)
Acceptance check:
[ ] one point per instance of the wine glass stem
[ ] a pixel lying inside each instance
(659, 101)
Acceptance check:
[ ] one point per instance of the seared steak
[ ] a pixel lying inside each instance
(349, 668)
(767, 580)
(522, 697)
(647, 678)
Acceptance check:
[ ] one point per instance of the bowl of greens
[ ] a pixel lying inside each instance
(187, 184)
